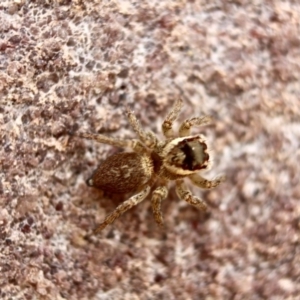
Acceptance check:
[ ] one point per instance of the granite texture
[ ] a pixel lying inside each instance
(74, 65)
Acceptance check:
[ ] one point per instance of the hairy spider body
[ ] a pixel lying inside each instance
(153, 161)
(123, 173)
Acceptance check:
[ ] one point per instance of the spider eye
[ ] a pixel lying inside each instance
(195, 155)
(187, 155)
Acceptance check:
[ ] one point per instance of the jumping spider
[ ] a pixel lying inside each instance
(153, 161)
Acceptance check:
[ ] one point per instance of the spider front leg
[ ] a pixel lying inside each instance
(158, 195)
(184, 194)
(148, 138)
(167, 126)
(186, 126)
(204, 183)
(123, 207)
(100, 138)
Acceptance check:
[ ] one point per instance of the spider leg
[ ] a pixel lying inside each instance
(100, 138)
(158, 195)
(167, 126)
(186, 126)
(184, 194)
(152, 140)
(204, 183)
(123, 207)
(148, 138)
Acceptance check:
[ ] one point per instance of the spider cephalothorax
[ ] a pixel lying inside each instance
(186, 155)
(153, 161)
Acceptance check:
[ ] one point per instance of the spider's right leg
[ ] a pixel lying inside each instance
(123, 207)
(158, 195)
(100, 138)
(205, 183)
(167, 126)
(184, 194)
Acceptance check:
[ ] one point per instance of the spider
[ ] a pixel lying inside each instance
(154, 161)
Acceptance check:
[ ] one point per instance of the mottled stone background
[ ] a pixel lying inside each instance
(68, 65)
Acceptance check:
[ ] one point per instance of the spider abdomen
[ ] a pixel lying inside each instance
(122, 173)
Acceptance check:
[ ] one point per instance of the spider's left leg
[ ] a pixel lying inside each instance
(184, 194)
(123, 207)
(186, 126)
(148, 138)
(100, 138)
(158, 195)
(167, 126)
(204, 183)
